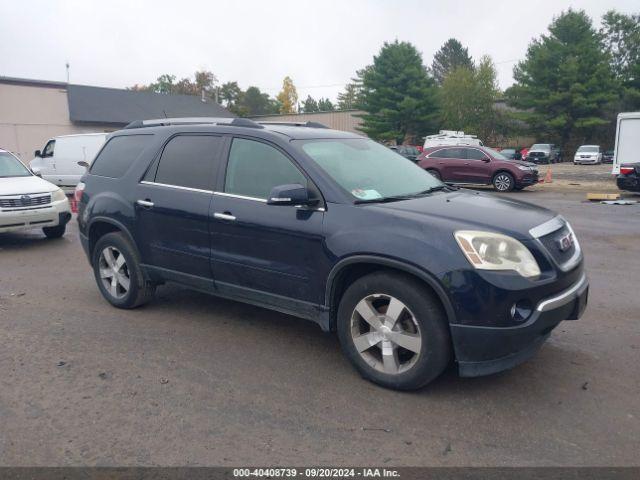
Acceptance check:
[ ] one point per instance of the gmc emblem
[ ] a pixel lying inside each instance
(566, 242)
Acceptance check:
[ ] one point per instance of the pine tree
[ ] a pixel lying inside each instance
(451, 55)
(398, 95)
(565, 82)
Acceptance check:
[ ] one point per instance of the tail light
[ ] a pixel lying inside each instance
(626, 170)
(77, 196)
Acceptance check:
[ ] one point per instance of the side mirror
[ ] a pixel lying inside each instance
(37, 173)
(292, 194)
(486, 160)
(37, 153)
(84, 164)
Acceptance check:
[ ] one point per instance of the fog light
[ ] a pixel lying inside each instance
(521, 310)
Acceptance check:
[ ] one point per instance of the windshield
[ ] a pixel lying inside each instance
(367, 170)
(541, 146)
(496, 154)
(10, 166)
(589, 149)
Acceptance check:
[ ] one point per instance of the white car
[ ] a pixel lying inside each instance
(588, 154)
(27, 201)
(58, 161)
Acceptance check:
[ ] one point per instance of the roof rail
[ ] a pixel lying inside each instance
(296, 124)
(160, 122)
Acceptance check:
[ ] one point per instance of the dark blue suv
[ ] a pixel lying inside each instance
(335, 228)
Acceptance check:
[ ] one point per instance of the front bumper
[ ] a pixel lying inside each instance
(586, 161)
(527, 180)
(486, 350)
(630, 183)
(51, 215)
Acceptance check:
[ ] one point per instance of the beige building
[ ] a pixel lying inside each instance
(33, 111)
(345, 120)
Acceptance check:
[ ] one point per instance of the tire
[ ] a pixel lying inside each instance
(55, 232)
(503, 182)
(115, 260)
(420, 323)
(435, 173)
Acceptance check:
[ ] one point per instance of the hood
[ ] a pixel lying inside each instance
(463, 209)
(522, 162)
(25, 185)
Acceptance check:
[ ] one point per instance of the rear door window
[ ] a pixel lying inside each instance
(449, 153)
(119, 154)
(189, 161)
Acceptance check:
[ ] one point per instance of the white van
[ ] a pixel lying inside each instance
(58, 161)
(451, 137)
(627, 140)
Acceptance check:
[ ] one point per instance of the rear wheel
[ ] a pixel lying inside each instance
(503, 182)
(118, 274)
(55, 232)
(394, 331)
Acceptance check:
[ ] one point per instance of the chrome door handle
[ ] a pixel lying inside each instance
(145, 203)
(224, 216)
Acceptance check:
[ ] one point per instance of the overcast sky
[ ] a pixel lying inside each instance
(319, 43)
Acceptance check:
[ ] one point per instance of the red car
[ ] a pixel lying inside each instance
(474, 165)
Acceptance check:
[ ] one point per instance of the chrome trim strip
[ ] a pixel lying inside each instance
(178, 187)
(556, 223)
(562, 298)
(243, 197)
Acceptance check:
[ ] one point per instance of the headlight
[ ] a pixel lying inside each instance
(523, 167)
(58, 195)
(493, 251)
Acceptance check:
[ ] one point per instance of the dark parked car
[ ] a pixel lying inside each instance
(511, 153)
(478, 166)
(607, 157)
(407, 151)
(544, 153)
(629, 178)
(334, 228)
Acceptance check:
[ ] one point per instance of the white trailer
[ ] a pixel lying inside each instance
(627, 148)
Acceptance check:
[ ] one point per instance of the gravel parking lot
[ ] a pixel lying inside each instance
(195, 380)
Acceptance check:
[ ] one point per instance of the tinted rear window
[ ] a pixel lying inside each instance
(189, 161)
(118, 154)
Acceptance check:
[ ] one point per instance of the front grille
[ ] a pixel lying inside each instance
(537, 154)
(552, 242)
(21, 201)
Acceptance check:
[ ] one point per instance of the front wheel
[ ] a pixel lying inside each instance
(503, 182)
(394, 331)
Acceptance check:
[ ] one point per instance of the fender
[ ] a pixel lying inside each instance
(115, 223)
(427, 277)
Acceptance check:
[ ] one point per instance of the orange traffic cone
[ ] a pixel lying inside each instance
(547, 177)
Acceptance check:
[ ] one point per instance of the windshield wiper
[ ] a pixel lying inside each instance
(398, 198)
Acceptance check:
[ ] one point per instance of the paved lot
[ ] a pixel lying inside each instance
(195, 380)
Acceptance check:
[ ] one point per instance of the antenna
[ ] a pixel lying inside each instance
(67, 67)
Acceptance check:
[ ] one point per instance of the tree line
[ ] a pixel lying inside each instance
(568, 89)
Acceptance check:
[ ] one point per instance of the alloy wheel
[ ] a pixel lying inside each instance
(114, 272)
(386, 334)
(502, 183)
